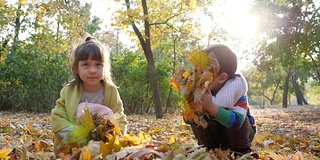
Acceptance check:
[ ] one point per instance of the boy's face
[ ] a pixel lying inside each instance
(218, 82)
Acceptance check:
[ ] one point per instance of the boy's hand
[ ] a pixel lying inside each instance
(208, 104)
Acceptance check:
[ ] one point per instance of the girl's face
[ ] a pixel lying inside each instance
(91, 73)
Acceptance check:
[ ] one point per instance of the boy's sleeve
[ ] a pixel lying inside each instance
(231, 92)
(232, 102)
(234, 117)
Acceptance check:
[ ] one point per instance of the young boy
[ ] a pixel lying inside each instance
(226, 103)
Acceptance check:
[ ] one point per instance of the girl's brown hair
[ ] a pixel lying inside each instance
(226, 58)
(91, 49)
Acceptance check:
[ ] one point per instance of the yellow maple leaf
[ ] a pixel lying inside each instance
(4, 153)
(82, 130)
(199, 59)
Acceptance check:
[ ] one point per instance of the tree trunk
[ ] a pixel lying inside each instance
(300, 98)
(285, 91)
(17, 28)
(173, 72)
(154, 84)
(274, 92)
(146, 46)
(316, 67)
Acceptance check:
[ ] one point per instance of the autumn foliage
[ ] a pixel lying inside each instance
(192, 84)
(283, 134)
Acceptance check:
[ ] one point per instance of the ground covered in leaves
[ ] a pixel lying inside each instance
(291, 133)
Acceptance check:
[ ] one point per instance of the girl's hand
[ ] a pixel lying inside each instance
(102, 111)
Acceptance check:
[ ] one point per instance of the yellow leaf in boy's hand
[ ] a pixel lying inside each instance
(206, 76)
(197, 107)
(197, 95)
(4, 153)
(186, 74)
(174, 84)
(199, 59)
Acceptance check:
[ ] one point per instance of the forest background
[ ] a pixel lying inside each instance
(36, 37)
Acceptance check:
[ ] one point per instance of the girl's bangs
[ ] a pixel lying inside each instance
(92, 53)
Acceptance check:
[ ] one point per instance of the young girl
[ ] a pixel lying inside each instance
(92, 84)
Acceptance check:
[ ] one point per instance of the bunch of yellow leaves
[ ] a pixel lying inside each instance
(193, 84)
(95, 136)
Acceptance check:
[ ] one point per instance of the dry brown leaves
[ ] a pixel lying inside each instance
(292, 133)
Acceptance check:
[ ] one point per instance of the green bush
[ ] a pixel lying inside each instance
(31, 79)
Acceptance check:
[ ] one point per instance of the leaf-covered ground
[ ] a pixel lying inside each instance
(292, 133)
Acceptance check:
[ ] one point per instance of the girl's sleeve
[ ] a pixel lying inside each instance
(116, 106)
(59, 117)
(232, 103)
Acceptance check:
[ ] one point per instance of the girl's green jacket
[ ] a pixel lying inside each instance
(63, 114)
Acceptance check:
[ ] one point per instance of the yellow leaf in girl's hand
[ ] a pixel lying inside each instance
(117, 145)
(86, 155)
(105, 149)
(4, 153)
(86, 118)
(116, 126)
(81, 131)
